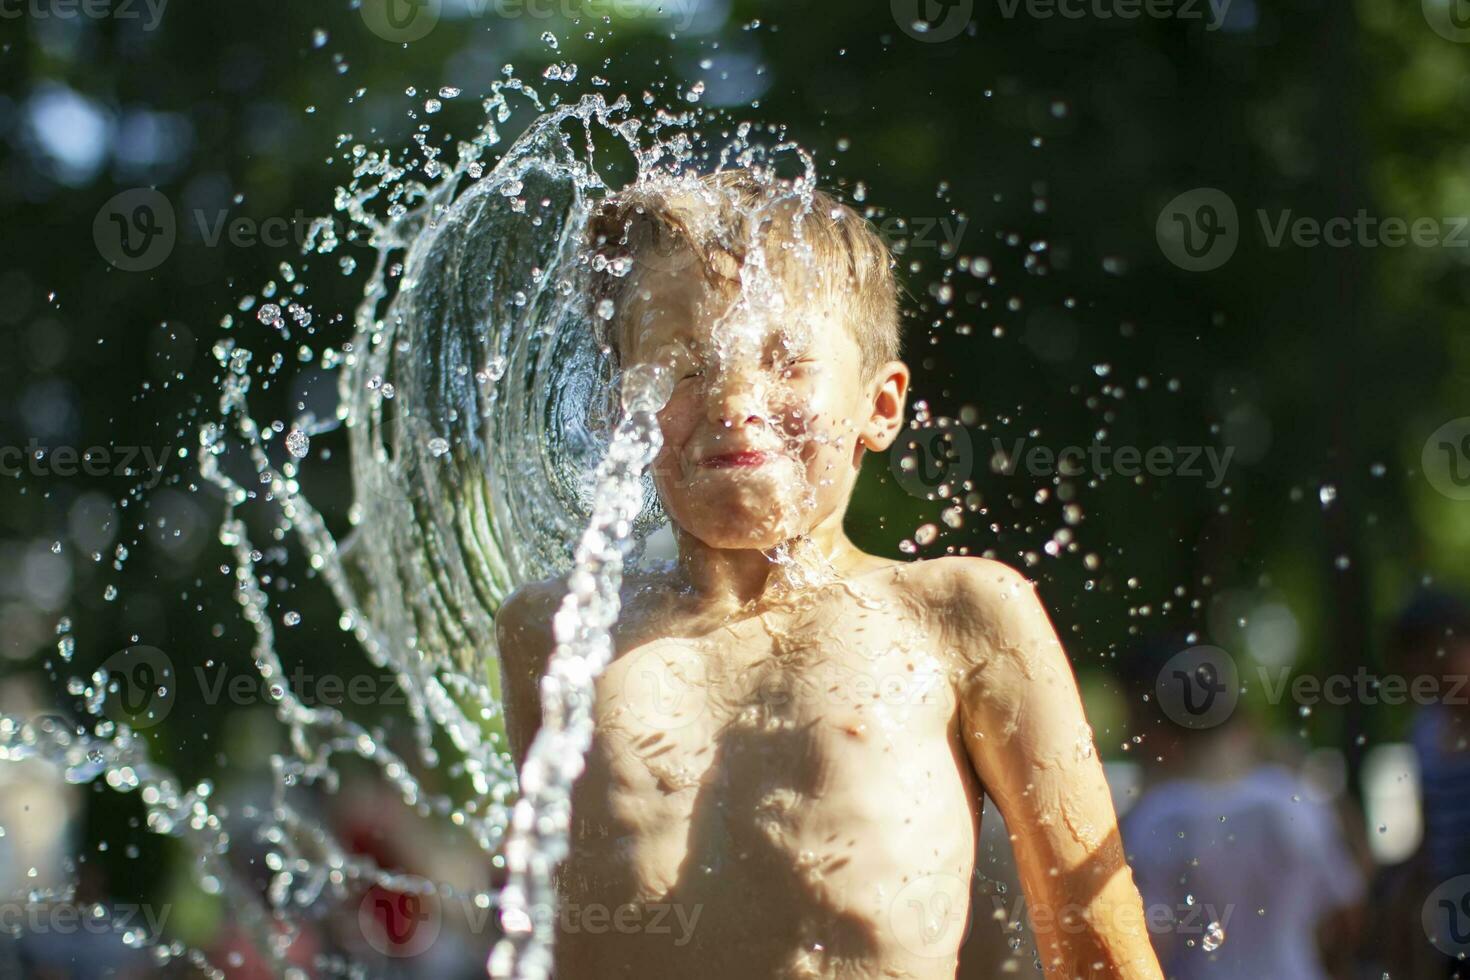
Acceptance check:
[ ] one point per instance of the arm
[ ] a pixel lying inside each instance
(1028, 741)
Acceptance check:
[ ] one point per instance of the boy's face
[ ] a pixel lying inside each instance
(769, 414)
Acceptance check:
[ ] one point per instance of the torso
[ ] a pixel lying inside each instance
(782, 796)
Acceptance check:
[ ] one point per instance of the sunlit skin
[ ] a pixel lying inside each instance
(786, 779)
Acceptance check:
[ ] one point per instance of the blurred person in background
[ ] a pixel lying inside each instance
(1431, 639)
(1225, 834)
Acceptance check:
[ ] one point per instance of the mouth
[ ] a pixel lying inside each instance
(748, 457)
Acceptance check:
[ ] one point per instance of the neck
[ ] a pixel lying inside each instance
(733, 577)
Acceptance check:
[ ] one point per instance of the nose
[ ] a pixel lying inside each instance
(737, 398)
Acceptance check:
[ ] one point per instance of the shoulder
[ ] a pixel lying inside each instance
(971, 592)
(985, 608)
(523, 621)
(980, 578)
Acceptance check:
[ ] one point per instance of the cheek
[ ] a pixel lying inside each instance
(810, 411)
(681, 411)
(676, 421)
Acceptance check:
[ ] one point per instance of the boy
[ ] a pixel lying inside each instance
(793, 736)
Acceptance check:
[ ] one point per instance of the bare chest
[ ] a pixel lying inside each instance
(825, 704)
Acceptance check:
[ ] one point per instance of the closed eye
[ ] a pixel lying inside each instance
(794, 364)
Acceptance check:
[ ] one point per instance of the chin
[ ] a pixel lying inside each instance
(734, 528)
(754, 508)
(759, 527)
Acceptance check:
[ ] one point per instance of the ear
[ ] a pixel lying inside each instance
(887, 393)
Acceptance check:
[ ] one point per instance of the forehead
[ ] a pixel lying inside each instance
(660, 307)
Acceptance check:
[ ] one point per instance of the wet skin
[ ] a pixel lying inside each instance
(788, 766)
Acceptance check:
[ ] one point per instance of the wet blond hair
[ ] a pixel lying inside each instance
(814, 246)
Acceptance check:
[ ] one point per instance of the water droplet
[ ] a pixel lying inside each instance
(298, 443)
